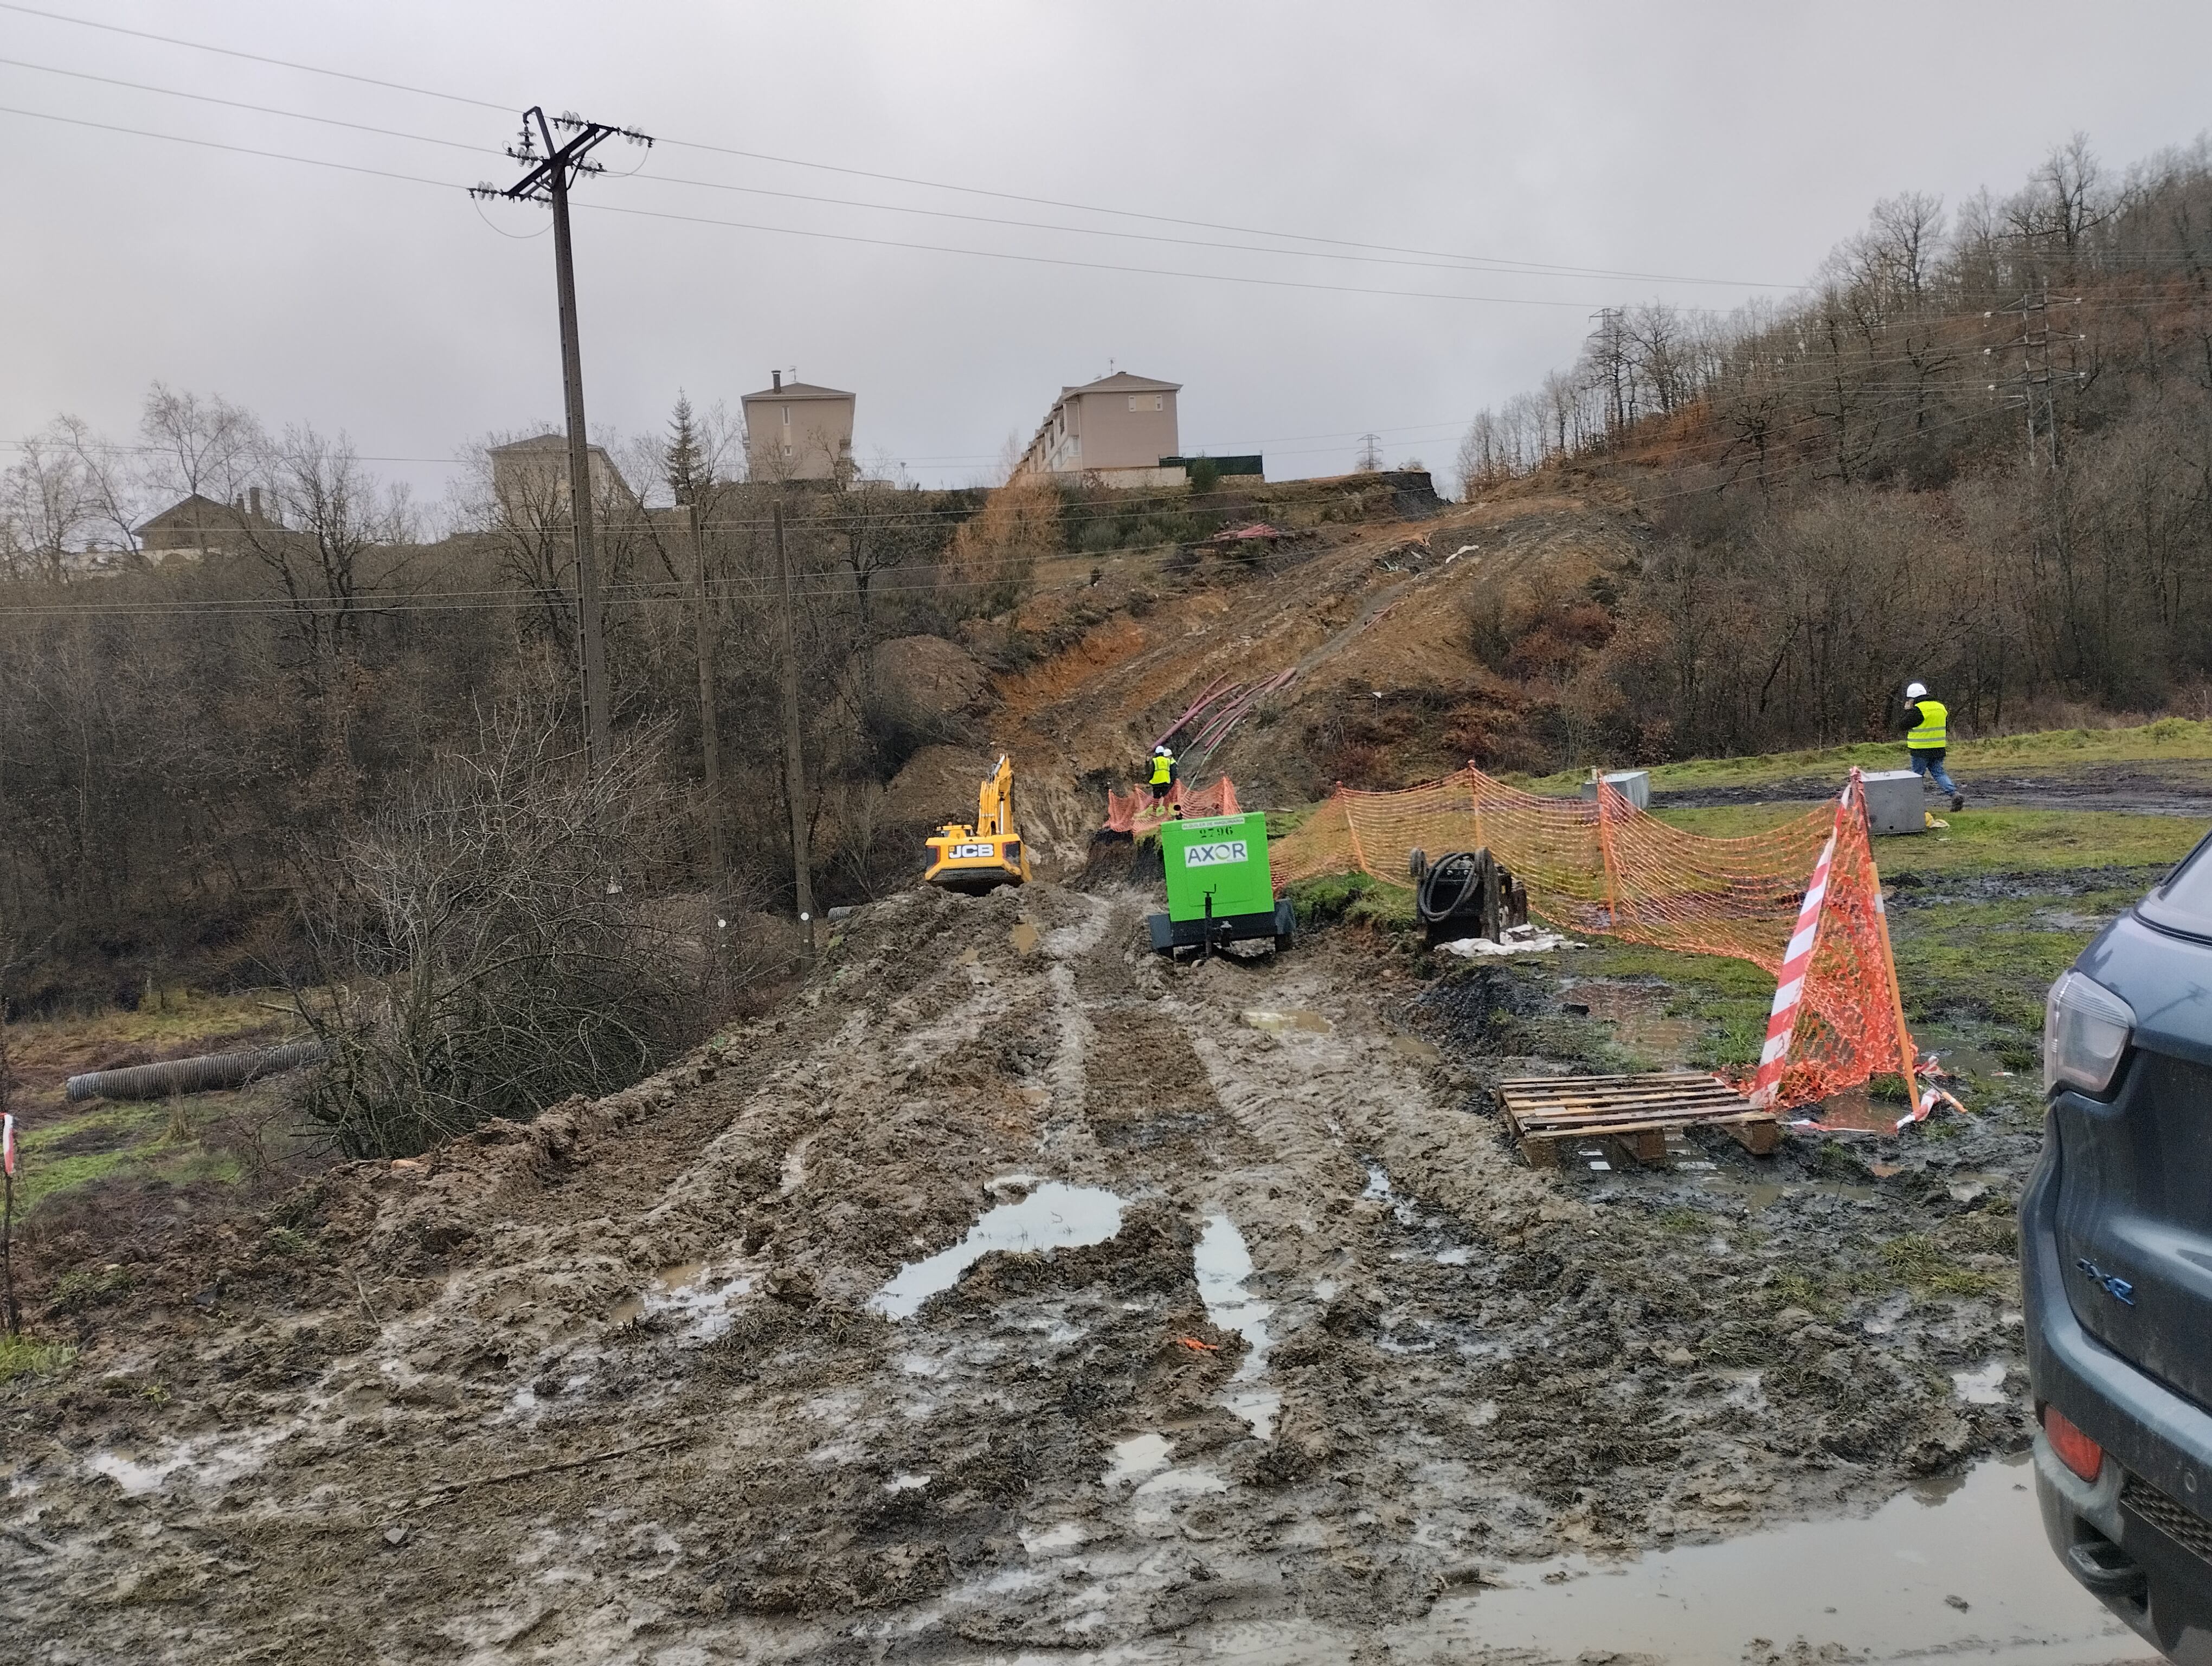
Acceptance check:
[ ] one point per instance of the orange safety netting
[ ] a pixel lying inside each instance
(1137, 811)
(1602, 866)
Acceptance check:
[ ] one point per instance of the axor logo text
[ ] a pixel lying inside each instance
(1214, 855)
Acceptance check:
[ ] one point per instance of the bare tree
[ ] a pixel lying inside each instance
(111, 486)
(484, 947)
(47, 503)
(1902, 244)
(199, 448)
(329, 514)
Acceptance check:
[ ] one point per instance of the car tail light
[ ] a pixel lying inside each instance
(2075, 1450)
(2086, 1031)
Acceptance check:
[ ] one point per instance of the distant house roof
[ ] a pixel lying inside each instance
(797, 391)
(1123, 382)
(198, 513)
(547, 441)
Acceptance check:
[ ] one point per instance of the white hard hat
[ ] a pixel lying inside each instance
(1914, 690)
(1161, 751)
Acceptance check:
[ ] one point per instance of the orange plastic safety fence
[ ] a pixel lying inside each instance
(1138, 812)
(1602, 866)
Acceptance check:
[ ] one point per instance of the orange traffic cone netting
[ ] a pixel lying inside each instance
(1801, 900)
(1137, 811)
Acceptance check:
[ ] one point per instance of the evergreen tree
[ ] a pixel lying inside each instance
(687, 467)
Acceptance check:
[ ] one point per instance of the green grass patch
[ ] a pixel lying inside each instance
(26, 1356)
(1992, 960)
(1800, 1289)
(1730, 998)
(1352, 899)
(1921, 1263)
(124, 1141)
(1984, 841)
(85, 1287)
(76, 1151)
(2170, 738)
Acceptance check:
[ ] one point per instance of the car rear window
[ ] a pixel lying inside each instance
(2183, 901)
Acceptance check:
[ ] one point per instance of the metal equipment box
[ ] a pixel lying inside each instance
(1895, 801)
(1219, 889)
(1634, 785)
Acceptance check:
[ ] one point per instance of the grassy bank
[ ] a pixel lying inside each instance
(1986, 841)
(194, 1144)
(2048, 751)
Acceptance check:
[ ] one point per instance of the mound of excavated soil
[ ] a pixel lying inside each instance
(1314, 1344)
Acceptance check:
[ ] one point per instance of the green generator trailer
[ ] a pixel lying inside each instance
(1219, 889)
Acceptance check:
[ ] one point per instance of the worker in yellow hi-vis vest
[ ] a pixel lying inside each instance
(1161, 775)
(1927, 737)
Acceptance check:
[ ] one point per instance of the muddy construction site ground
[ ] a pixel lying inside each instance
(1286, 1354)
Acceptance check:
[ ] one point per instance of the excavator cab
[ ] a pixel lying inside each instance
(989, 854)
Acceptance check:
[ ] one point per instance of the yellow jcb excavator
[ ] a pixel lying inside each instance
(991, 853)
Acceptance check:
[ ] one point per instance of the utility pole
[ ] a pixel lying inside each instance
(550, 174)
(710, 739)
(795, 763)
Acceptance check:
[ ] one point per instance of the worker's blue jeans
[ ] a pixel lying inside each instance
(1928, 761)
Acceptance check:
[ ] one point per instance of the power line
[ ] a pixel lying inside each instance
(237, 149)
(258, 109)
(831, 236)
(848, 237)
(251, 58)
(1086, 265)
(1500, 262)
(1456, 265)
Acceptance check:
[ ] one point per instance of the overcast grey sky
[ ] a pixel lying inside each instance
(1733, 141)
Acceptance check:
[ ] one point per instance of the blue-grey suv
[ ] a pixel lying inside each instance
(2116, 1263)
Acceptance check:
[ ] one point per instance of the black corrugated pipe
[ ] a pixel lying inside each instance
(209, 1073)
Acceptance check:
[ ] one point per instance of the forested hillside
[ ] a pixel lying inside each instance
(1975, 450)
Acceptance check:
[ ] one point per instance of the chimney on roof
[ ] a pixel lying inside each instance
(775, 381)
(254, 497)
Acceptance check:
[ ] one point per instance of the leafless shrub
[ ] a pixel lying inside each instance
(484, 948)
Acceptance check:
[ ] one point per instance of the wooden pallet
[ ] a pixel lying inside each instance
(1635, 1112)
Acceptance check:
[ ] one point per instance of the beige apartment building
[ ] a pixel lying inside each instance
(530, 478)
(1116, 430)
(797, 431)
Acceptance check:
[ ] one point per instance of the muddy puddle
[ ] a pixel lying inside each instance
(1051, 1216)
(1221, 1263)
(1963, 1574)
(1279, 1024)
(691, 1294)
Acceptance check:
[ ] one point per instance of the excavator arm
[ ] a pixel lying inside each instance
(995, 804)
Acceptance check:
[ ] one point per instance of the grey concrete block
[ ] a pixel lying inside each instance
(1634, 785)
(1895, 802)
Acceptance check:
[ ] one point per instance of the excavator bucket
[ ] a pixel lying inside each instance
(987, 854)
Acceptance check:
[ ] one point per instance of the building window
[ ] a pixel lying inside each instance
(1148, 402)
(786, 416)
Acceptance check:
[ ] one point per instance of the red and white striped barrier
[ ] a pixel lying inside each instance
(1796, 961)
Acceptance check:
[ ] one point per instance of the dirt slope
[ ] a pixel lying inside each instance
(1355, 611)
(611, 1387)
